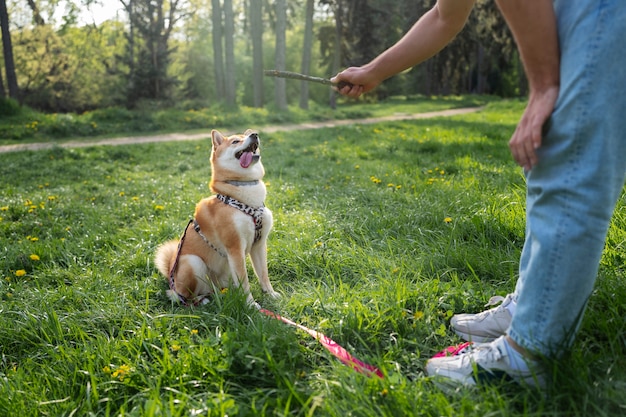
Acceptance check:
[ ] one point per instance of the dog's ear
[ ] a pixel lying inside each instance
(248, 132)
(217, 138)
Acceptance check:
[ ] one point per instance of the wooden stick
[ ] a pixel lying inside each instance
(297, 76)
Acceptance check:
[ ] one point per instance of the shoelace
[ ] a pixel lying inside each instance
(487, 353)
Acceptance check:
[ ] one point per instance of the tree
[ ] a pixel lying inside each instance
(218, 50)
(307, 48)
(229, 54)
(7, 48)
(37, 18)
(280, 86)
(154, 21)
(256, 33)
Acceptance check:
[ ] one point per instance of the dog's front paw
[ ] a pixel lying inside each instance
(275, 295)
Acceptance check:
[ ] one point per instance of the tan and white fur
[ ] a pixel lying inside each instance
(216, 257)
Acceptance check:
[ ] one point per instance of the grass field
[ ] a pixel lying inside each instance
(27, 125)
(382, 232)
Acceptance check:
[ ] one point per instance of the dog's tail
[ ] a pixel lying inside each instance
(165, 257)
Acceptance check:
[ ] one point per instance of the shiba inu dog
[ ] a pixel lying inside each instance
(226, 228)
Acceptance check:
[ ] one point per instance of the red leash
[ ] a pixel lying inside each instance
(332, 347)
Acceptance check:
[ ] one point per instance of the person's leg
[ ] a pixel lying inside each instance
(571, 196)
(573, 190)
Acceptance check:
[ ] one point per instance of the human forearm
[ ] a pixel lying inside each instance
(533, 24)
(429, 35)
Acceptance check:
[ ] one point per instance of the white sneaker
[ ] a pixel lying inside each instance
(489, 363)
(486, 326)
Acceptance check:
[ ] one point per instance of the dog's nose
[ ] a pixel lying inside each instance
(254, 137)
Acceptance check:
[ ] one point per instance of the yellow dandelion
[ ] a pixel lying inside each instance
(357, 166)
(418, 315)
(122, 194)
(121, 372)
(20, 272)
(52, 197)
(194, 331)
(4, 208)
(159, 207)
(135, 198)
(448, 220)
(34, 257)
(224, 290)
(175, 348)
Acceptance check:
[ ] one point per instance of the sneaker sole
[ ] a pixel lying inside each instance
(474, 338)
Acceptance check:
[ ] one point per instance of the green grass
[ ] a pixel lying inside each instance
(382, 232)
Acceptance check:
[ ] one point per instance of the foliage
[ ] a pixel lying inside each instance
(9, 107)
(481, 59)
(381, 233)
(149, 50)
(75, 70)
(64, 67)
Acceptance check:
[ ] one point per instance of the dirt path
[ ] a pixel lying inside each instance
(173, 137)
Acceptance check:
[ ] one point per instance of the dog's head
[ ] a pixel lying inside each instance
(236, 157)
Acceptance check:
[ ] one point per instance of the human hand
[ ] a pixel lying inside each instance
(528, 135)
(354, 81)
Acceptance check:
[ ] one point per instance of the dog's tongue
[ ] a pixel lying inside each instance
(246, 159)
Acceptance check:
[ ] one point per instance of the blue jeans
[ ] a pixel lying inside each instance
(572, 191)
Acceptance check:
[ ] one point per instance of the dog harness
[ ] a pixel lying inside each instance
(255, 212)
(181, 297)
(257, 218)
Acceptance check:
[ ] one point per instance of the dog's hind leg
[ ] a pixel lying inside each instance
(191, 278)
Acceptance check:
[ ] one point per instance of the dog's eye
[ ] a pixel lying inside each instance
(236, 141)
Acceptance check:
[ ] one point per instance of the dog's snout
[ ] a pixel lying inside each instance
(254, 137)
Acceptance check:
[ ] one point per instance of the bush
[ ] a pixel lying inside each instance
(9, 107)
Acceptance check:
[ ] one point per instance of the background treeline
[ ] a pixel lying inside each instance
(200, 53)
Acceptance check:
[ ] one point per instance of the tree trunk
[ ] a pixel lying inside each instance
(131, 44)
(280, 59)
(256, 32)
(218, 51)
(307, 48)
(7, 48)
(337, 50)
(36, 14)
(229, 46)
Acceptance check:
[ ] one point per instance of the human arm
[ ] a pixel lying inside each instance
(431, 33)
(533, 24)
